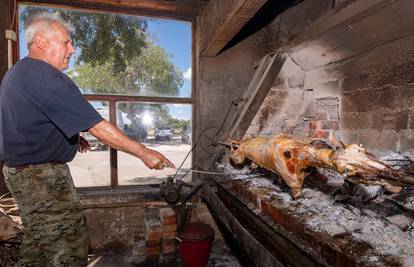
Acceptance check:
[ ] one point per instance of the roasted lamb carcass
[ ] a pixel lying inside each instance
(291, 158)
(359, 166)
(285, 155)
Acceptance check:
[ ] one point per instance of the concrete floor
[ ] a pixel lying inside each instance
(220, 256)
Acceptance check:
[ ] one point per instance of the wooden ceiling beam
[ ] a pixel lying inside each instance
(182, 9)
(222, 20)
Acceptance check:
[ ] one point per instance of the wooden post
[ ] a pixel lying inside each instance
(263, 79)
(5, 22)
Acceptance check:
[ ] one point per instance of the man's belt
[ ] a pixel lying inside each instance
(35, 165)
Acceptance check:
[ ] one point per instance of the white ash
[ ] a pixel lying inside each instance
(222, 256)
(324, 215)
(409, 203)
(397, 160)
(242, 174)
(367, 192)
(334, 178)
(229, 169)
(262, 182)
(396, 156)
(401, 221)
(387, 239)
(408, 261)
(371, 259)
(281, 196)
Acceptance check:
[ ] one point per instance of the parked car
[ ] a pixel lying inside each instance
(163, 133)
(186, 136)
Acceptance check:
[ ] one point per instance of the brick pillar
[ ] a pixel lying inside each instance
(169, 231)
(152, 237)
(160, 243)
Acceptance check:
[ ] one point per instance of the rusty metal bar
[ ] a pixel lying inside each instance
(152, 99)
(113, 156)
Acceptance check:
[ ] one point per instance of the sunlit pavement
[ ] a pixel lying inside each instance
(92, 168)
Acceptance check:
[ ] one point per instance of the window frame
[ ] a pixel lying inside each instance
(112, 99)
(112, 102)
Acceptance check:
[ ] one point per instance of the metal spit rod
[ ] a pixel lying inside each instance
(205, 172)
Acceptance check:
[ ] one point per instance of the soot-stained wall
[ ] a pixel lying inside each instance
(349, 75)
(225, 77)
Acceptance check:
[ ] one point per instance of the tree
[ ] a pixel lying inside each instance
(102, 37)
(151, 73)
(178, 124)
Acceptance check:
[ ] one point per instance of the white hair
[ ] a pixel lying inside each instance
(42, 22)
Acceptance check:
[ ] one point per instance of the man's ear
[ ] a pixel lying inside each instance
(40, 42)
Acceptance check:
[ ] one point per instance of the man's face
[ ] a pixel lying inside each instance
(59, 48)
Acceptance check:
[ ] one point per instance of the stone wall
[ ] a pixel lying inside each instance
(293, 105)
(353, 82)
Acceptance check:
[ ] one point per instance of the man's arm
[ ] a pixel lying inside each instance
(108, 134)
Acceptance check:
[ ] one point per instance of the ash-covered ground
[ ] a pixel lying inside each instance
(333, 206)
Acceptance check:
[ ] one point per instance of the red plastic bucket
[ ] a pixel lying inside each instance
(195, 244)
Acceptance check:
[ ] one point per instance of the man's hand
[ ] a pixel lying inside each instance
(83, 145)
(109, 134)
(155, 160)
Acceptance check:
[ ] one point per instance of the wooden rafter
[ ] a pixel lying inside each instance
(223, 19)
(185, 9)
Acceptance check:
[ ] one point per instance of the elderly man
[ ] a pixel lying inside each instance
(41, 114)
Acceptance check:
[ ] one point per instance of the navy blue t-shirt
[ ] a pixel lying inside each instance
(41, 114)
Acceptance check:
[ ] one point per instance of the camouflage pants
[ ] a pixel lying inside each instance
(54, 228)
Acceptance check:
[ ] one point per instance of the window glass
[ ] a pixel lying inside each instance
(124, 54)
(92, 168)
(162, 127)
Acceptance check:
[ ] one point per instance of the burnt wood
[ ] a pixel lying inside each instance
(258, 88)
(180, 9)
(354, 12)
(222, 21)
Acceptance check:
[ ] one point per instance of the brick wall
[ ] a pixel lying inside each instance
(324, 121)
(160, 245)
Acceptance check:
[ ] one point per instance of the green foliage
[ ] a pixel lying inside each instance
(178, 124)
(102, 37)
(108, 37)
(151, 73)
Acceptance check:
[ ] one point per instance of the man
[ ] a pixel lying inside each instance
(41, 114)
